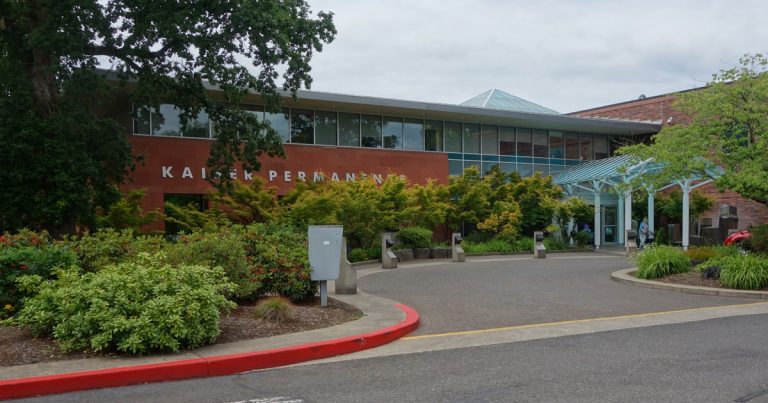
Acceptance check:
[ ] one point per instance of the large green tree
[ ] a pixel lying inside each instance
(62, 156)
(728, 127)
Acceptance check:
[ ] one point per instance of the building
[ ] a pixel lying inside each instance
(660, 109)
(339, 137)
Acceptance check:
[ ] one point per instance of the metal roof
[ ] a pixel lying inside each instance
(609, 170)
(497, 99)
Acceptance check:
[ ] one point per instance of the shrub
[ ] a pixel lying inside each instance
(582, 238)
(276, 309)
(225, 248)
(415, 237)
(24, 259)
(279, 261)
(660, 261)
(110, 246)
(363, 254)
(700, 253)
(491, 246)
(748, 272)
(135, 307)
(758, 242)
(554, 244)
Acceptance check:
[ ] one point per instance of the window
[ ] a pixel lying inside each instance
(585, 146)
(452, 137)
(471, 138)
(281, 123)
(455, 168)
(413, 134)
(540, 146)
(601, 147)
(325, 128)
(507, 140)
(370, 128)
(349, 129)
(433, 135)
(166, 121)
(556, 145)
(490, 140)
(393, 132)
(571, 146)
(524, 146)
(302, 126)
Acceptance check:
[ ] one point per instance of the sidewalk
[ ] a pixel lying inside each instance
(384, 321)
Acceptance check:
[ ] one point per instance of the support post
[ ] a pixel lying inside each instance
(620, 221)
(686, 187)
(347, 281)
(598, 230)
(651, 207)
(457, 252)
(324, 293)
(628, 211)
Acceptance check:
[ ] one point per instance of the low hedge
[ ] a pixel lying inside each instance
(659, 261)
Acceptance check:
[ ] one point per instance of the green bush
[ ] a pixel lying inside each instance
(21, 256)
(705, 253)
(491, 246)
(225, 248)
(758, 242)
(660, 261)
(276, 309)
(582, 238)
(137, 307)
(554, 244)
(279, 261)
(364, 254)
(747, 272)
(415, 237)
(110, 246)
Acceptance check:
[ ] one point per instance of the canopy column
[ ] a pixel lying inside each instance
(651, 207)
(628, 210)
(620, 219)
(598, 187)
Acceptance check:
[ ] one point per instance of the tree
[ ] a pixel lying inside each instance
(728, 127)
(62, 156)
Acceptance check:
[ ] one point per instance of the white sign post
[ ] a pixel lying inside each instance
(324, 255)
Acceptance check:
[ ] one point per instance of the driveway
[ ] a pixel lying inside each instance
(499, 291)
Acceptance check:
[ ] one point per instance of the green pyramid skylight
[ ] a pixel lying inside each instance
(497, 99)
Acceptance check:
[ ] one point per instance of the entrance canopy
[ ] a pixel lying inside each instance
(618, 175)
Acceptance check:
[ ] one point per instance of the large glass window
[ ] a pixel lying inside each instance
(455, 168)
(325, 128)
(540, 144)
(302, 126)
(490, 139)
(556, 145)
(142, 123)
(507, 140)
(524, 145)
(585, 146)
(452, 137)
(393, 132)
(471, 138)
(349, 129)
(571, 146)
(370, 126)
(280, 122)
(413, 134)
(165, 122)
(433, 135)
(601, 147)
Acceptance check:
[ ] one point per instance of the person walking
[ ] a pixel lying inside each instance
(643, 232)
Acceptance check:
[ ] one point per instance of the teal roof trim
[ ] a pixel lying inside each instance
(497, 99)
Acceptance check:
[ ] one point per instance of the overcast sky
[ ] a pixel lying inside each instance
(565, 55)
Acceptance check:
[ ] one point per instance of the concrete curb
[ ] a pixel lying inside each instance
(623, 276)
(207, 366)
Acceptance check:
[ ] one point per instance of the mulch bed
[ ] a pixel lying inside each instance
(19, 347)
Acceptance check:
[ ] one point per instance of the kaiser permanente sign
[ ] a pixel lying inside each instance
(186, 172)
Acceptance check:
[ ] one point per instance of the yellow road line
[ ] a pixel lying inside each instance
(640, 315)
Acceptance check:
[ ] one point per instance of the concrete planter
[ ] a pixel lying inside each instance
(440, 253)
(422, 253)
(404, 255)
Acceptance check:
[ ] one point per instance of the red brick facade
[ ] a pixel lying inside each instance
(660, 108)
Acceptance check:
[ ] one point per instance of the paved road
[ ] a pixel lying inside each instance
(515, 291)
(714, 360)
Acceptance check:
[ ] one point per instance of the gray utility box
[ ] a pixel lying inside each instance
(325, 251)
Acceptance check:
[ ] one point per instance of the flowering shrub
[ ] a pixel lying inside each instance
(26, 254)
(135, 307)
(109, 246)
(279, 261)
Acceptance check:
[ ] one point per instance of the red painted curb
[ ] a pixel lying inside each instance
(209, 366)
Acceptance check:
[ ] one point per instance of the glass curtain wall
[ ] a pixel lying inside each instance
(325, 128)
(413, 134)
(349, 129)
(453, 137)
(370, 127)
(393, 132)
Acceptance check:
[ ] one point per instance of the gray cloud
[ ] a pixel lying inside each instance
(566, 55)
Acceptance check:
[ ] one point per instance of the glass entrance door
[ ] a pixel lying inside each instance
(609, 224)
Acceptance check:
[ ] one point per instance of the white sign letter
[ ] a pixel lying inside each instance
(186, 173)
(335, 177)
(302, 175)
(287, 176)
(378, 179)
(350, 177)
(318, 177)
(248, 175)
(167, 172)
(272, 175)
